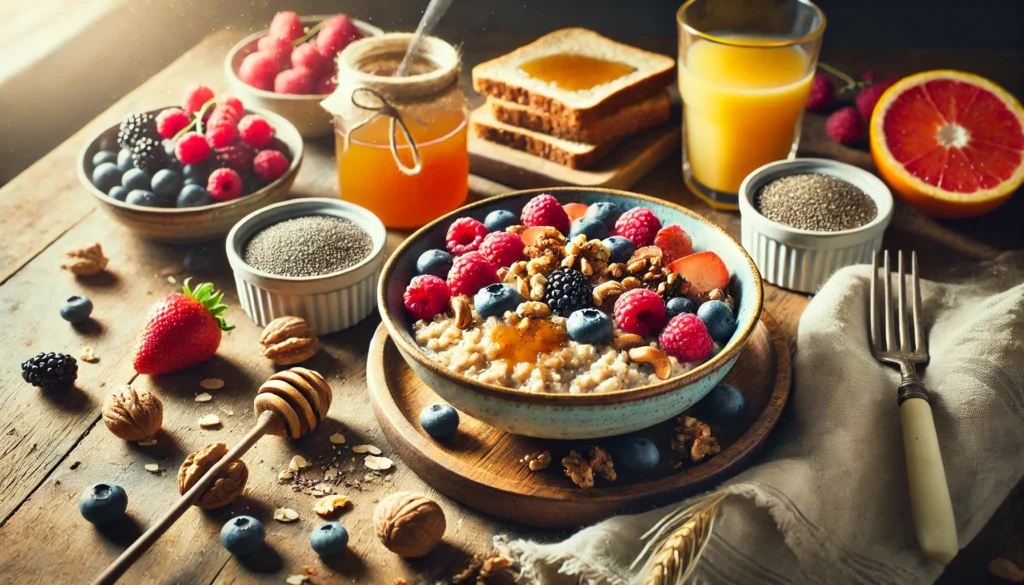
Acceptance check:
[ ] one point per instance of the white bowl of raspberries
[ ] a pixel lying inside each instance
(187, 173)
(292, 66)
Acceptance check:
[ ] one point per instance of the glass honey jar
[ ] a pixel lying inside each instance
(401, 142)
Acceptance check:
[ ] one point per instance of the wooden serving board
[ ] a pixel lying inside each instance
(627, 162)
(480, 466)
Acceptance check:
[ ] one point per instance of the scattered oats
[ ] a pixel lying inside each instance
(204, 397)
(152, 468)
(325, 488)
(331, 473)
(338, 439)
(172, 280)
(377, 463)
(170, 271)
(285, 475)
(285, 515)
(298, 462)
(366, 449)
(316, 493)
(296, 579)
(212, 383)
(209, 421)
(328, 505)
(89, 356)
(147, 442)
(226, 410)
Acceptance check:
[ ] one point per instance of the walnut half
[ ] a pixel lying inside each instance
(289, 340)
(133, 415)
(225, 489)
(85, 260)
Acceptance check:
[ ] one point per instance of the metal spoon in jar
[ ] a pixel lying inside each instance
(431, 16)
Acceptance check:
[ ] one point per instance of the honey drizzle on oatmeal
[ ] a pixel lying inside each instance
(518, 346)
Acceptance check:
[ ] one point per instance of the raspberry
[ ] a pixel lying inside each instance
(192, 149)
(686, 338)
(845, 126)
(640, 311)
(294, 81)
(335, 35)
(255, 131)
(195, 96)
(307, 56)
(259, 70)
(224, 185)
(426, 296)
(171, 121)
(326, 84)
(868, 98)
(639, 225)
(221, 135)
(502, 248)
(823, 93)
(269, 165)
(286, 25)
(544, 210)
(232, 104)
(279, 49)
(874, 76)
(470, 273)
(222, 115)
(465, 235)
(238, 157)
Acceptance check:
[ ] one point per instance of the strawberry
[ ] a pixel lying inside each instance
(574, 211)
(182, 330)
(704, 271)
(674, 242)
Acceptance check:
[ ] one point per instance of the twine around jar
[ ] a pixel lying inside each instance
(386, 109)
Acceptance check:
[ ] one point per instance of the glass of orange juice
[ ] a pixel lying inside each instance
(745, 71)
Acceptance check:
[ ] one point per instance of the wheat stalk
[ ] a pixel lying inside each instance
(675, 560)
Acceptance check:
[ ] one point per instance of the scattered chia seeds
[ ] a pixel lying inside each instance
(312, 245)
(815, 202)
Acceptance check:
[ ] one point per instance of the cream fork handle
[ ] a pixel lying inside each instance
(929, 493)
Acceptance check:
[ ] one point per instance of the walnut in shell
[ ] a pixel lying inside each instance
(85, 260)
(225, 489)
(289, 340)
(133, 415)
(408, 524)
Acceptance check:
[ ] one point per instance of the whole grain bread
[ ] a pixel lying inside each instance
(628, 120)
(503, 78)
(575, 155)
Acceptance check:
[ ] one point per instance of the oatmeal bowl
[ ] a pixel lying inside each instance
(571, 313)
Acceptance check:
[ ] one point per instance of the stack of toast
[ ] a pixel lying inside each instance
(571, 96)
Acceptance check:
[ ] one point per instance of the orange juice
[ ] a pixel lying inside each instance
(742, 107)
(368, 175)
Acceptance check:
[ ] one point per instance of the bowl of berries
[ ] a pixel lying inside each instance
(291, 67)
(187, 173)
(571, 313)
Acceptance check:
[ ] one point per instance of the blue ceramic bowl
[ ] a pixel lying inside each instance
(572, 416)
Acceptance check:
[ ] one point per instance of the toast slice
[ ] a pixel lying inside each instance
(575, 155)
(635, 75)
(629, 120)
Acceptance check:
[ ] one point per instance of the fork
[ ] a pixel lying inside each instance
(929, 493)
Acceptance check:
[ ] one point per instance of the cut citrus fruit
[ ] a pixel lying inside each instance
(950, 143)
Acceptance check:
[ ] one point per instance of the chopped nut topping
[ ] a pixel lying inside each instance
(494, 569)
(89, 356)
(694, 439)
(212, 383)
(657, 358)
(328, 505)
(601, 463)
(534, 309)
(209, 421)
(285, 515)
(578, 470)
(366, 449)
(538, 461)
(85, 261)
(624, 341)
(463, 311)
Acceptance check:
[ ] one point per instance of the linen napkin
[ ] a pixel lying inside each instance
(828, 502)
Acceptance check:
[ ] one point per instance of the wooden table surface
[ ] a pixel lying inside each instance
(52, 447)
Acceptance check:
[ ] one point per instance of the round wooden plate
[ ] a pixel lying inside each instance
(481, 466)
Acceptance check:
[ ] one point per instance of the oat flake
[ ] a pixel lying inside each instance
(377, 463)
(212, 383)
(338, 439)
(366, 449)
(296, 579)
(285, 515)
(204, 397)
(298, 462)
(152, 468)
(147, 442)
(209, 421)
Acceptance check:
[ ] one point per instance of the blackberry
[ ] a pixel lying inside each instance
(149, 155)
(136, 126)
(567, 290)
(50, 371)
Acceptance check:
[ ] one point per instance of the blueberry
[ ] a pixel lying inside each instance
(76, 309)
(124, 160)
(718, 318)
(195, 175)
(147, 199)
(329, 540)
(106, 176)
(725, 400)
(167, 183)
(242, 535)
(135, 179)
(678, 306)
(590, 227)
(636, 454)
(199, 260)
(104, 156)
(120, 193)
(589, 326)
(621, 248)
(436, 262)
(499, 220)
(494, 299)
(103, 503)
(193, 196)
(606, 213)
(439, 420)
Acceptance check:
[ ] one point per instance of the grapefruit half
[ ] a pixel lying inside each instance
(950, 143)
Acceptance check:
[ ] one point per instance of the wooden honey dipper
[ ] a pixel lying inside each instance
(290, 404)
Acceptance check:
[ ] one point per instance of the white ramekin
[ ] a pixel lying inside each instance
(802, 260)
(329, 303)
